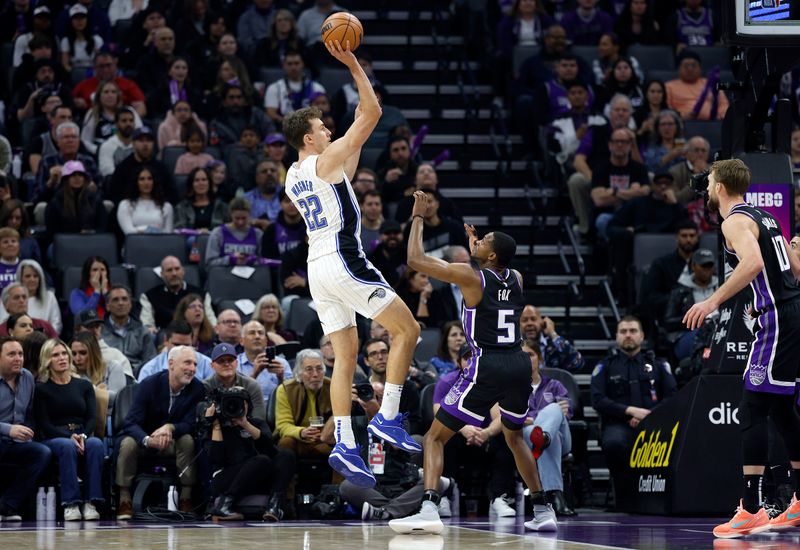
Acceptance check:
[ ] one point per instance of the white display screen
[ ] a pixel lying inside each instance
(767, 17)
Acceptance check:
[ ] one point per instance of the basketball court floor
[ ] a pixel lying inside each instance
(587, 531)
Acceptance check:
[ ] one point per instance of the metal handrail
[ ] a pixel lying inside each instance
(610, 297)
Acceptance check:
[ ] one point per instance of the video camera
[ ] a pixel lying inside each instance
(229, 403)
(699, 183)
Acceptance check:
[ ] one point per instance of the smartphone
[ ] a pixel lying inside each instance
(270, 351)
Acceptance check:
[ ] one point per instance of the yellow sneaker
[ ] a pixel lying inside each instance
(743, 523)
(789, 518)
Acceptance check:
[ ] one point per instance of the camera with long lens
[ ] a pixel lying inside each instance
(230, 402)
(699, 183)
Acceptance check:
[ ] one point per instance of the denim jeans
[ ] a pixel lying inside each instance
(32, 458)
(67, 453)
(552, 421)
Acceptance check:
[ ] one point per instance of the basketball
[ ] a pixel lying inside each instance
(343, 26)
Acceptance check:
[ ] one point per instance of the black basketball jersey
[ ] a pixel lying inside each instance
(775, 284)
(493, 324)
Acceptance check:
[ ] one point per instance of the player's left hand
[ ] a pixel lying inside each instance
(697, 314)
(420, 204)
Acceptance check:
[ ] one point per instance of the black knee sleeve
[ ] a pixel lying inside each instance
(753, 412)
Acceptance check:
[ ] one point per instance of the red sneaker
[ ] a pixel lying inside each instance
(789, 518)
(743, 523)
(540, 440)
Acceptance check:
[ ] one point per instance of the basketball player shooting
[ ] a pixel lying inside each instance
(341, 280)
(757, 250)
(498, 372)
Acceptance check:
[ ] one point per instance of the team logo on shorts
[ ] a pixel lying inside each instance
(757, 374)
(452, 396)
(378, 293)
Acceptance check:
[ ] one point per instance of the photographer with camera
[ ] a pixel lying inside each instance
(239, 443)
(258, 361)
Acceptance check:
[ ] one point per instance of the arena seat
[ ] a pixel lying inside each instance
(587, 53)
(147, 250)
(224, 285)
(521, 54)
(646, 248)
(369, 157)
(709, 129)
(714, 55)
(653, 57)
(73, 249)
(333, 79)
(169, 156)
(299, 315)
(426, 347)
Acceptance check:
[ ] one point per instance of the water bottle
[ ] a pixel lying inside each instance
(50, 512)
(172, 499)
(455, 505)
(41, 505)
(519, 500)
(16, 166)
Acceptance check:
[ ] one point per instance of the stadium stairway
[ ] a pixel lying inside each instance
(419, 60)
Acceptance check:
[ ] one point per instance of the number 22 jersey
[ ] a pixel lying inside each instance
(330, 210)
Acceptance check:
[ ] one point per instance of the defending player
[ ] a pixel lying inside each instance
(341, 280)
(758, 252)
(499, 371)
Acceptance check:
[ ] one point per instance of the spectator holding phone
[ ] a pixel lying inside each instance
(259, 361)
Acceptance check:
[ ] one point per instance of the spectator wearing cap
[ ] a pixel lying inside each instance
(106, 69)
(120, 145)
(153, 67)
(49, 174)
(694, 285)
(265, 203)
(656, 212)
(162, 419)
(98, 21)
(371, 207)
(15, 300)
(236, 113)
(389, 257)
(42, 26)
(691, 95)
(99, 123)
(89, 321)
(224, 361)
(79, 42)
(427, 178)
(293, 91)
(288, 231)
(254, 362)
(46, 82)
(143, 156)
(75, 207)
(275, 149)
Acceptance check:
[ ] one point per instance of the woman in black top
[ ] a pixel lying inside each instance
(245, 459)
(76, 206)
(200, 209)
(66, 419)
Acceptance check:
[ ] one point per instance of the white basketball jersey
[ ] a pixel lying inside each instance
(331, 212)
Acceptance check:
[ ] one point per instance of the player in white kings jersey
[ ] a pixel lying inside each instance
(341, 279)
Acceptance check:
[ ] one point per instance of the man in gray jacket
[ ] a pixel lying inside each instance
(125, 333)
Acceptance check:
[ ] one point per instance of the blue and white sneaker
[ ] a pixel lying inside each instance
(349, 463)
(394, 432)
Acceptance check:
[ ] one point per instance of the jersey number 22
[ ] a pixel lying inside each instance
(311, 211)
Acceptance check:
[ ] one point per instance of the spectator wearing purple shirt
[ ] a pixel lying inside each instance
(547, 428)
(587, 24)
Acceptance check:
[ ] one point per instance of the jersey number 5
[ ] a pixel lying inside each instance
(506, 326)
(311, 211)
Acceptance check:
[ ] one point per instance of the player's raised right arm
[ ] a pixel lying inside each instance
(358, 133)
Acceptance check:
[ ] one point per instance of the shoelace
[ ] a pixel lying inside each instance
(772, 510)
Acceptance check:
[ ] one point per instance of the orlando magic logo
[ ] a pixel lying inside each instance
(378, 293)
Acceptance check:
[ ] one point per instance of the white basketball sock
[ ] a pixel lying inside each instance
(391, 400)
(343, 429)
